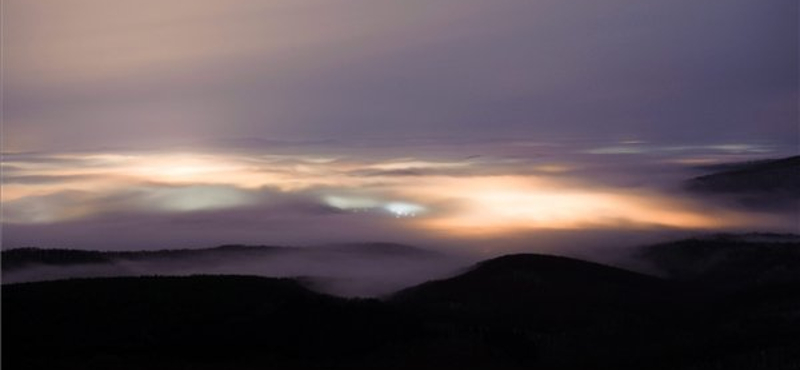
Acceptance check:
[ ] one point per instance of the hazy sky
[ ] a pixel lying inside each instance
(163, 123)
(98, 73)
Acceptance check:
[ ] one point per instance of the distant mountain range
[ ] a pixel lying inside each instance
(360, 269)
(709, 309)
(767, 183)
(19, 258)
(729, 261)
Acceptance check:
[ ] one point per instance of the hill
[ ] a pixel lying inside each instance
(361, 269)
(551, 288)
(728, 261)
(127, 323)
(226, 322)
(19, 258)
(513, 312)
(582, 314)
(768, 183)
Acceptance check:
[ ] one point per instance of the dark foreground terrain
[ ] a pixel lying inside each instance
(711, 309)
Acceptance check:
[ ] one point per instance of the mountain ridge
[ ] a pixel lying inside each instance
(511, 312)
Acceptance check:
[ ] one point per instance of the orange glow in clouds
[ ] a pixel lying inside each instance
(487, 205)
(458, 205)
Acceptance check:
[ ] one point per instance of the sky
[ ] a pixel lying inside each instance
(158, 123)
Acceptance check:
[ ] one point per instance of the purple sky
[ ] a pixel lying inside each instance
(90, 73)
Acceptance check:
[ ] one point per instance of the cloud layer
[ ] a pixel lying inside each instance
(300, 195)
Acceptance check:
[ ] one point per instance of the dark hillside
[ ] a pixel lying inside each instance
(769, 184)
(220, 322)
(531, 286)
(728, 261)
(513, 312)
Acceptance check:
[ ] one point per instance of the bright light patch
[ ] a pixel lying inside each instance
(398, 209)
(350, 203)
(403, 209)
(414, 164)
(181, 168)
(504, 204)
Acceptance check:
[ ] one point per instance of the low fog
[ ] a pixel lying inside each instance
(363, 270)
